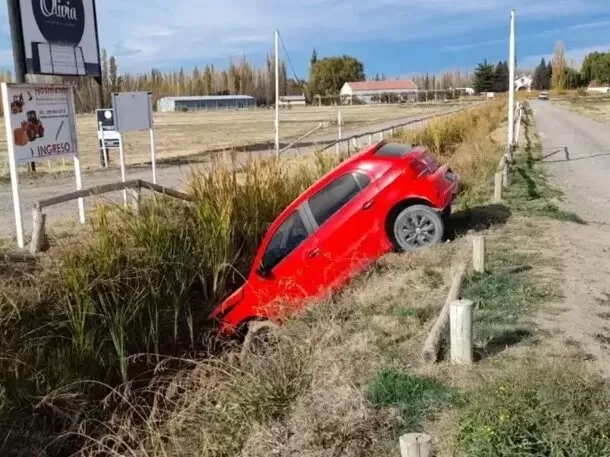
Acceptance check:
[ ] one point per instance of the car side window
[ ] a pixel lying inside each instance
(335, 195)
(289, 235)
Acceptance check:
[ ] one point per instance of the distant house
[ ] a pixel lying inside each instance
(600, 88)
(292, 100)
(376, 91)
(524, 82)
(466, 90)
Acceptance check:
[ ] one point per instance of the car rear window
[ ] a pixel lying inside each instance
(335, 195)
(394, 150)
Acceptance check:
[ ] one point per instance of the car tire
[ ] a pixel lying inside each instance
(416, 227)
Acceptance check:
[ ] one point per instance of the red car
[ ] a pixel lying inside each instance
(387, 197)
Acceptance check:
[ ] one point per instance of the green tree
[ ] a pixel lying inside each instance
(572, 79)
(330, 73)
(501, 77)
(484, 76)
(596, 67)
(542, 77)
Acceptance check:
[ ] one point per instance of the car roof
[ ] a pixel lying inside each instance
(363, 160)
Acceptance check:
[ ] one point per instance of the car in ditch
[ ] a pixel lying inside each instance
(388, 197)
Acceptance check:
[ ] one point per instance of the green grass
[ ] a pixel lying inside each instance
(537, 409)
(416, 397)
(503, 300)
(530, 191)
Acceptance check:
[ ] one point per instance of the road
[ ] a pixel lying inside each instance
(170, 175)
(576, 150)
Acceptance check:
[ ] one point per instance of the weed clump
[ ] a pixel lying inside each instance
(541, 409)
(416, 397)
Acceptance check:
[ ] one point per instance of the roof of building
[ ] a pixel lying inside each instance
(209, 97)
(405, 84)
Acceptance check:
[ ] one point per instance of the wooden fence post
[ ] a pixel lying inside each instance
(432, 343)
(460, 324)
(498, 187)
(38, 230)
(370, 139)
(478, 254)
(137, 196)
(415, 445)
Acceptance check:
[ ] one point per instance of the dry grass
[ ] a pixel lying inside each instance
(594, 106)
(190, 134)
(129, 293)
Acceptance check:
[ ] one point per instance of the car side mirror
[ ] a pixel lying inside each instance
(262, 271)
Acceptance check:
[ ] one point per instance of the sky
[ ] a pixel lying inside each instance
(393, 37)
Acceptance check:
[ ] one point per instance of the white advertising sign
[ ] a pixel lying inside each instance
(60, 37)
(40, 125)
(41, 121)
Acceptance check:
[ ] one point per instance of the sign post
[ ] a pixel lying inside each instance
(133, 111)
(40, 123)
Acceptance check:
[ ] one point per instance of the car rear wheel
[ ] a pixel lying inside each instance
(416, 227)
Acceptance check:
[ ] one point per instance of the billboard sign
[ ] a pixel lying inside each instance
(41, 122)
(60, 37)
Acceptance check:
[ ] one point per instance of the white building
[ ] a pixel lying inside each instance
(205, 102)
(370, 91)
(292, 100)
(597, 88)
(524, 82)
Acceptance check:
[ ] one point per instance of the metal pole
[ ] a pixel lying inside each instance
(14, 19)
(277, 95)
(511, 83)
(153, 155)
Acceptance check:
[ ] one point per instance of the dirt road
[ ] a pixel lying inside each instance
(171, 175)
(576, 151)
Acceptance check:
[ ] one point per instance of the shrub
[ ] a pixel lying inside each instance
(538, 409)
(416, 397)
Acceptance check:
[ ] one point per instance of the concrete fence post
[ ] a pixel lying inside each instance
(415, 445)
(478, 254)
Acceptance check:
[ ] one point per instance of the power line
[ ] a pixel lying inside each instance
(296, 78)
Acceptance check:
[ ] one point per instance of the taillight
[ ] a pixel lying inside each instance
(430, 162)
(418, 167)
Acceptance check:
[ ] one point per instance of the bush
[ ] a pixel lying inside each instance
(538, 409)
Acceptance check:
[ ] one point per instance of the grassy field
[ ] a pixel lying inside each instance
(188, 134)
(594, 106)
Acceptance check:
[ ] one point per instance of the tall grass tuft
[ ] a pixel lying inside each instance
(141, 288)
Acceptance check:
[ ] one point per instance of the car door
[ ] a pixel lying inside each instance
(280, 277)
(348, 230)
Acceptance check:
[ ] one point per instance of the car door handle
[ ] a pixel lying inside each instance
(368, 205)
(313, 253)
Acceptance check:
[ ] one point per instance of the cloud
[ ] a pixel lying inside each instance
(161, 33)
